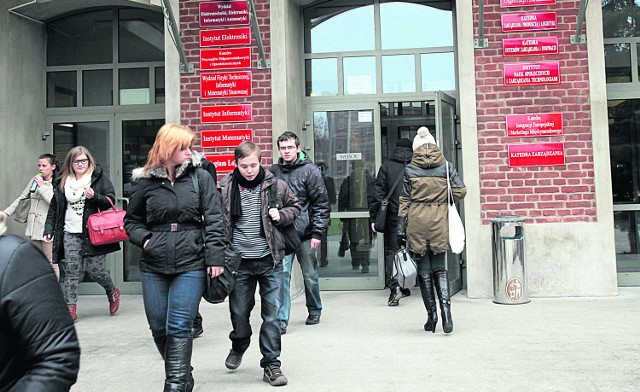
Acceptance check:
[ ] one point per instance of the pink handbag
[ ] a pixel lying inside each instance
(107, 227)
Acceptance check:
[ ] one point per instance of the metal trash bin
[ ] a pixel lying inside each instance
(509, 272)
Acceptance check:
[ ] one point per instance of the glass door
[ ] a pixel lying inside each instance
(345, 146)
(446, 135)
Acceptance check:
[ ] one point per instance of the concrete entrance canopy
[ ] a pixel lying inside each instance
(42, 10)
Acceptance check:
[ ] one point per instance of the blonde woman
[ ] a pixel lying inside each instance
(175, 216)
(84, 187)
(39, 192)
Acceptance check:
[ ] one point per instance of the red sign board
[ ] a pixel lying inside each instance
(225, 84)
(529, 21)
(230, 58)
(529, 46)
(538, 124)
(530, 74)
(224, 13)
(226, 138)
(226, 113)
(525, 3)
(225, 37)
(543, 154)
(223, 163)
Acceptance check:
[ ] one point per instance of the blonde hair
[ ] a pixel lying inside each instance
(170, 138)
(67, 166)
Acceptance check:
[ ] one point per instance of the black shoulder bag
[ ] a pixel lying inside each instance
(291, 238)
(381, 217)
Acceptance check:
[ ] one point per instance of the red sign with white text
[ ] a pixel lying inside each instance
(226, 113)
(530, 74)
(225, 84)
(224, 13)
(538, 124)
(543, 154)
(530, 21)
(223, 163)
(529, 46)
(225, 37)
(226, 138)
(524, 3)
(230, 58)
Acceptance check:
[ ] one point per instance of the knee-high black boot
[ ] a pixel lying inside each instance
(441, 280)
(177, 365)
(161, 343)
(429, 299)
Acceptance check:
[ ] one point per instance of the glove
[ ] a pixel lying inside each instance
(402, 235)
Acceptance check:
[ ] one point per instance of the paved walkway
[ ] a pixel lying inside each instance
(550, 344)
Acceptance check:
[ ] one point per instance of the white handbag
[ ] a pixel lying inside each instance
(456, 229)
(404, 268)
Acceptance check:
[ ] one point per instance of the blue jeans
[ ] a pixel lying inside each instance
(242, 300)
(309, 267)
(171, 301)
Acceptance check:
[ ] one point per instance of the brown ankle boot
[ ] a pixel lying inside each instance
(114, 301)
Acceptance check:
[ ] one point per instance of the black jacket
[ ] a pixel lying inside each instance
(156, 204)
(305, 180)
(389, 172)
(39, 349)
(54, 226)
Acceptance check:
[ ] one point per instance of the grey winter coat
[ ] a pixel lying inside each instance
(170, 215)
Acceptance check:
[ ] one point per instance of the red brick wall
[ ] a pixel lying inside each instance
(261, 82)
(541, 194)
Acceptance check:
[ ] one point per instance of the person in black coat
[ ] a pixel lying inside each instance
(39, 346)
(84, 188)
(175, 216)
(389, 172)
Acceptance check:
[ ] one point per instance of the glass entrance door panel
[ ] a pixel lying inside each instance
(345, 148)
(137, 139)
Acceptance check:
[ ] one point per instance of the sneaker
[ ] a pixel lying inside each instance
(313, 319)
(273, 375)
(406, 293)
(114, 301)
(233, 360)
(394, 297)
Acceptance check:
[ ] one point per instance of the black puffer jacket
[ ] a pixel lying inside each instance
(39, 350)
(157, 203)
(389, 172)
(305, 180)
(54, 226)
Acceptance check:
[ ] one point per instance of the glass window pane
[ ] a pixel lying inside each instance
(416, 24)
(617, 62)
(359, 75)
(321, 77)
(626, 234)
(624, 132)
(134, 86)
(621, 18)
(62, 89)
(398, 74)
(140, 36)
(438, 71)
(337, 28)
(93, 135)
(97, 88)
(85, 38)
(160, 85)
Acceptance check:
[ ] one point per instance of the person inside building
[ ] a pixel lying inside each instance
(305, 179)
(357, 193)
(329, 183)
(40, 350)
(84, 188)
(389, 176)
(37, 196)
(171, 197)
(253, 229)
(423, 222)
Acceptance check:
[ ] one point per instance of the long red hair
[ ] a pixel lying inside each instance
(170, 138)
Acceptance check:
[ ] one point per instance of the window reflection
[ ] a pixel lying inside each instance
(140, 36)
(626, 234)
(438, 72)
(321, 77)
(624, 129)
(621, 18)
(398, 74)
(412, 24)
(617, 60)
(62, 89)
(97, 87)
(359, 75)
(337, 28)
(85, 38)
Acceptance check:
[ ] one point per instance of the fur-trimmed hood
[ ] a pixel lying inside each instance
(161, 172)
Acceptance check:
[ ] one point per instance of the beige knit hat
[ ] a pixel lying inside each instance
(423, 137)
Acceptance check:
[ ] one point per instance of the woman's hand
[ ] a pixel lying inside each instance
(48, 238)
(89, 193)
(39, 179)
(274, 214)
(215, 271)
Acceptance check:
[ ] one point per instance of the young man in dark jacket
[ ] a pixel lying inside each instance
(389, 172)
(40, 350)
(305, 180)
(253, 229)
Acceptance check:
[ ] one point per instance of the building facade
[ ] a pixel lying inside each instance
(534, 100)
